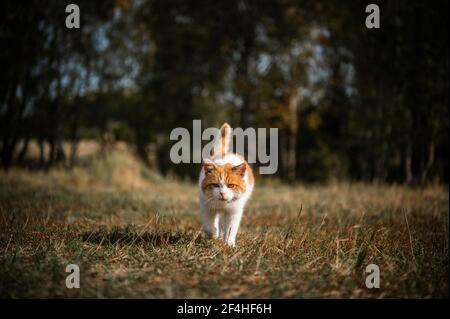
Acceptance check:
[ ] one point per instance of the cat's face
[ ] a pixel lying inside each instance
(223, 183)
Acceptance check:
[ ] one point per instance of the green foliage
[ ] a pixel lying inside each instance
(121, 131)
(352, 102)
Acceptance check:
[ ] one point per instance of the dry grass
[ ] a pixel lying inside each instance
(134, 234)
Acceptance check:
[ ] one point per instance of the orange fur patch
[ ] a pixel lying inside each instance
(226, 173)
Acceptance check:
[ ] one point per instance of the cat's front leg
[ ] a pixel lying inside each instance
(231, 222)
(209, 220)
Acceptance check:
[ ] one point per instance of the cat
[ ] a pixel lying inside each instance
(225, 185)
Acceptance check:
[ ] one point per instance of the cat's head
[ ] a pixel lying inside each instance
(223, 183)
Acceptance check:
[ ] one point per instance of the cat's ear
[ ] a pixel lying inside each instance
(240, 169)
(207, 165)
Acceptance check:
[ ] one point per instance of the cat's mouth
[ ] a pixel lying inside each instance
(228, 201)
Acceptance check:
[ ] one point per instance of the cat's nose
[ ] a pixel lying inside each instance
(222, 194)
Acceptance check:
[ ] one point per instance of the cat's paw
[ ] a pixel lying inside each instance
(211, 233)
(231, 243)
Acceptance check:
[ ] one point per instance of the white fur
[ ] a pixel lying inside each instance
(221, 219)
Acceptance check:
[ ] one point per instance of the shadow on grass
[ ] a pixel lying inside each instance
(127, 236)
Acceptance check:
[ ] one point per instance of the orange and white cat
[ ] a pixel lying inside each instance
(225, 184)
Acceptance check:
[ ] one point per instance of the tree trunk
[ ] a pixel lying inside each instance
(14, 115)
(73, 153)
(41, 152)
(51, 153)
(429, 163)
(408, 164)
(293, 100)
(7, 152)
(23, 151)
(74, 142)
(244, 84)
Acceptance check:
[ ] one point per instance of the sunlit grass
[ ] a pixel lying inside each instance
(137, 237)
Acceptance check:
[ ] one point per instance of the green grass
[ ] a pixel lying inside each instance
(145, 242)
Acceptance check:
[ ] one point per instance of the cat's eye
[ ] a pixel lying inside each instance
(232, 185)
(215, 185)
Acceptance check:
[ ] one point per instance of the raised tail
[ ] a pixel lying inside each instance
(222, 145)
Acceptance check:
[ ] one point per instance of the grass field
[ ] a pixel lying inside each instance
(135, 234)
